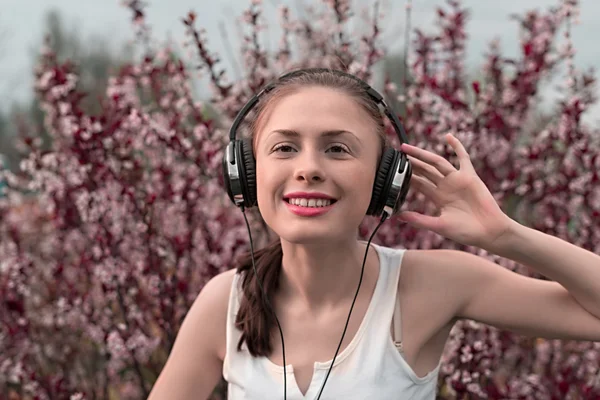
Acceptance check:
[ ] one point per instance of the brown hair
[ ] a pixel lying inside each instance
(254, 320)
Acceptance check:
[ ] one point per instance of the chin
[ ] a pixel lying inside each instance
(316, 236)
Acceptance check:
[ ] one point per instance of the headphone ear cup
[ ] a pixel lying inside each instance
(226, 178)
(247, 171)
(383, 179)
(405, 166)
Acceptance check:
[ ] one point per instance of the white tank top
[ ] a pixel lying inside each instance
(370, 367)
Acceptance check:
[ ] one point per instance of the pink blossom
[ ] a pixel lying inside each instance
(130, 218)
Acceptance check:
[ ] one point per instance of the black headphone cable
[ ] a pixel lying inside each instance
(383, 218)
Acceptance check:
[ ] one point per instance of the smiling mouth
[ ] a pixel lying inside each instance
(310, 203)
(317, 207)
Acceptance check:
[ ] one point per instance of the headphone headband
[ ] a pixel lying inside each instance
(377, 98)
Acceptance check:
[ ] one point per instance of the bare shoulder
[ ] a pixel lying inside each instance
(434, 279)
(457, 280)
(423, 266)
(194, 365)
(217, 289)
(211, 305)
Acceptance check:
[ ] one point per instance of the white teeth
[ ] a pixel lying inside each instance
(310, 202)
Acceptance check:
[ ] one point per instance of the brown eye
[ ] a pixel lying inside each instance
(283, 148)
(338, 149)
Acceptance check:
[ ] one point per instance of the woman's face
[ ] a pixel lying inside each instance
(316, 141)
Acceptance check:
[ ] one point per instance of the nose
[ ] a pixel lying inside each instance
(309, 168)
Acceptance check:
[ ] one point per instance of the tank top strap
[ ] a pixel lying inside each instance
(232, 335)
(389, 309)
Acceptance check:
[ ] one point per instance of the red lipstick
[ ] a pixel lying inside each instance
(308, 195)
(305, 211)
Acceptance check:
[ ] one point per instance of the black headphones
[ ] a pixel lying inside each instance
(393, 173)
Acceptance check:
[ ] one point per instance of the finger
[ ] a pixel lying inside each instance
(463, 156)
(420, 221)
(439, 162)
(425, 170)
(430, 191)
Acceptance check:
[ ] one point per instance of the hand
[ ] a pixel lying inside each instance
(469, 214)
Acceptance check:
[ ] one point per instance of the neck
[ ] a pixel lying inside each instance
(325, 274)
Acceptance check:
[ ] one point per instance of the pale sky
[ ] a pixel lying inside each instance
(21, 27)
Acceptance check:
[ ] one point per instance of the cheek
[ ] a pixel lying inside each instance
(266, 182)
(367, 189)
(359, 184)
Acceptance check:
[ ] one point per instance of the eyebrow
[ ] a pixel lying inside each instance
(328, 133)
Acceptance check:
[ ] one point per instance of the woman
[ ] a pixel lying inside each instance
(320, 135)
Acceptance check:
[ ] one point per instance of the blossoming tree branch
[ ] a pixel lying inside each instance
(107, 237)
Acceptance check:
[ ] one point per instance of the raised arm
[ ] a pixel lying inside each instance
(568, 308)
(194, 366)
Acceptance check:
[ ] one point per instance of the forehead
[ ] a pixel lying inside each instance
(317, 109)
